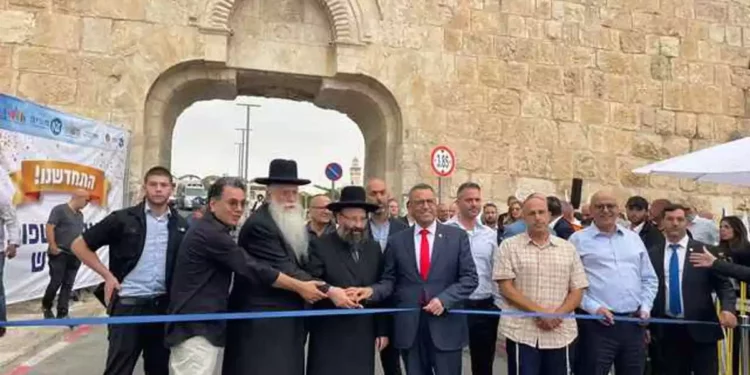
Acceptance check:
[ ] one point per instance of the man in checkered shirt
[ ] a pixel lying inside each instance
(538, 272)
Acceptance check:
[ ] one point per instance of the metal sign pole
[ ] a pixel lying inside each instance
(440, 190)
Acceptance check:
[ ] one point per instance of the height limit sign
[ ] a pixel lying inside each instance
(443, 163)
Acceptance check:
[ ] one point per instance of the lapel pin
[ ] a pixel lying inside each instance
(440, 235)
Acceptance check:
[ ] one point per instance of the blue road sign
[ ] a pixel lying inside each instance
(334, 171)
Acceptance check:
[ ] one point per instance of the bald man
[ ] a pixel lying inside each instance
(320, 217)
(381, 226)
(622, 282)
(65, 223)
(443, 212)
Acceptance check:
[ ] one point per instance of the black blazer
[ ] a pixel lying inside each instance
(262, 239)
(697, 285)
(124, 231)
(651, 235)
(563, 229)
(396, 225)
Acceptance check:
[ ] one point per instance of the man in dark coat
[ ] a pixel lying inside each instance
(346, 258)
(275, 235)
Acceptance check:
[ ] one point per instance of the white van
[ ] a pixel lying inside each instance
(187, 192)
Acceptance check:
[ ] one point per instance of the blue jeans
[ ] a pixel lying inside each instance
(3, 316)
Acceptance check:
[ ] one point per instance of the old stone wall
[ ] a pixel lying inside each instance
(529, 93)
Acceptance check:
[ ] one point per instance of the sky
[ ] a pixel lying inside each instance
(204, 138)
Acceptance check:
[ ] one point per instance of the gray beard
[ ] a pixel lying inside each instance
(291, 223)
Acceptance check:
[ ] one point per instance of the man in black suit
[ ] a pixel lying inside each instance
(685, 293)
(382, 226)
(275, 235)
(637, 211)
(346, 258)
(428, 267)
(558, 223)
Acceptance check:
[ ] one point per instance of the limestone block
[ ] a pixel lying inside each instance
(616, 18)
(734, 101)
(467, 69)
(673, 96)
(701, 98)
(585, 166)
(649, 146)
(645, 91)
(659, 24)
(669, 46)
(491, 72)
(677, 146)
(648, 117)
(708, 51)
(16, 26)
(477, 44)
(516, 26)
(722, 75)
(710, 11)
(174, 12)
(57, 31)
(520, 7)
(530, 161)
(495, 160)
(653, 44)
(701, 73)
(553, 30)
(547, 79)
(580, 57)
(47, 89)
(624, 116)
(6, 80)
(516, 76)
(453, 40)
(735, 56)
(724, 127)
(536, 105)
(29, 3)
(6, 52)
(573, 135)
(665, 122)
(132, 10)
(513, 49)
(625, 164)
(97, 34)
(613, 62)
(633, 42)
(716, 32)
(487, 23)
(610, 87)
(734, 36)
(41, 60)
(549, 53)
(705, 126)
(685, 124)
(661, 68)
(562, 107)
(506, 102)
(600, 37)
(590, 111)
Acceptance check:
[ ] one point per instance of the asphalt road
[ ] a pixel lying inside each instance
(86, 356)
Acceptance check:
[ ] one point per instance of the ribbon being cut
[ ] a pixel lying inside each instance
(141, 319)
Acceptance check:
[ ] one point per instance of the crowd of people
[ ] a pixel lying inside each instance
(541, 257)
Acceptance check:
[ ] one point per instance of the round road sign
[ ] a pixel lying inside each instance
(334, 171)
(443, 161)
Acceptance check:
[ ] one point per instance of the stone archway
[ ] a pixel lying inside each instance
(240, 61)
(363, 99)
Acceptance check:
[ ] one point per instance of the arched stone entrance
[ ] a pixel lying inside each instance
(239, 60)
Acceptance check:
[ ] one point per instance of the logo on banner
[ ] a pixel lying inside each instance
(46, 176)
(13, 114)
(55, 126)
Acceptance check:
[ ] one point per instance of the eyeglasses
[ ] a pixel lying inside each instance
(428, 202)
(608, 206)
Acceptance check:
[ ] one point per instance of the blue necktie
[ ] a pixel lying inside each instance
(675, 307)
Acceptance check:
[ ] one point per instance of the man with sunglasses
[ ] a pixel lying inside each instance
(622, 282)
(64, 225)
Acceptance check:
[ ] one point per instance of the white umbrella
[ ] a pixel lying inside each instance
(727, 163)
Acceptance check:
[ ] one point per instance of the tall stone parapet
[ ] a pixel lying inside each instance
(528, 93)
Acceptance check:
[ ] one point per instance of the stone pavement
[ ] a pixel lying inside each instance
(23, 341)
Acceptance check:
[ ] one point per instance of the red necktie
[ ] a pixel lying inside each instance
(424, 255)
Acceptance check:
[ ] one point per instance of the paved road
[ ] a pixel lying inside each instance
(86, 356)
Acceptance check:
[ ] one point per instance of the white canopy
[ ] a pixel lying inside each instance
(727, 163)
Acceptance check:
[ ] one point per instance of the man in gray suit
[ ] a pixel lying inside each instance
(427, 267)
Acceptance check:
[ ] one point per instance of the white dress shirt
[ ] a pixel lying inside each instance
(418, 240)
(681, 254)
(638, 228)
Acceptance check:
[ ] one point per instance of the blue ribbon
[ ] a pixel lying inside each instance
(144, 319)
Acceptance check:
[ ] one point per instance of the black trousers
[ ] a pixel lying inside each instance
(425, 359)
(62, 272)
(482, 336)
(622, 344)
(684, 355)
(527, 360)
(390, 359)
(128, 341)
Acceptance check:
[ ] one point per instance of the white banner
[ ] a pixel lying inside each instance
(44, 156)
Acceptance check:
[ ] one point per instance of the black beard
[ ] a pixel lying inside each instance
(352, 238)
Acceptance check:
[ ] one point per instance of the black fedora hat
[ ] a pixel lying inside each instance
(283, 172)
(353, 197)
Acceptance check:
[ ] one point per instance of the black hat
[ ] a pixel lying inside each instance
(282, 172)
(353, 197)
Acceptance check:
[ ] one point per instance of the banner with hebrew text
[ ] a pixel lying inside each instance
(45, 156)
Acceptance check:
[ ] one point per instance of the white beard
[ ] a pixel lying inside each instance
(291, 223)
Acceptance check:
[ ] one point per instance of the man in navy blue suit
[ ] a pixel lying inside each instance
(428, 267)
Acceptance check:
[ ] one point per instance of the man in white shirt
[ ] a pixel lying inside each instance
(10, 234)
